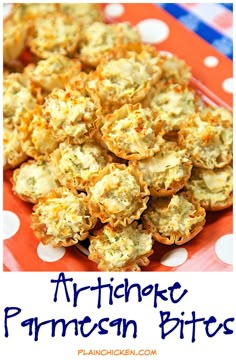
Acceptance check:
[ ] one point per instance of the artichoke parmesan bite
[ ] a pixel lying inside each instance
(55, 33)
(34, 179)
(62, 218)
(121, 249)
(74, 164)
(133, 132)
(117, 194)
(37, 136)
(17, 99)
(175, 219)
(125, 75)
(167, 171)
(208, 141)
(13, 154)
(100, 38)
(71, 114)
(224, 115)
(29, 12)
(213, 189)
(174, 102)
(174, 70)
(84, 14)
(55, 72)
(14, 36)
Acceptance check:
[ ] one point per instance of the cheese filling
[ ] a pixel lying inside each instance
(65, 217)
(117, 192)
(175, 215)
(122, 246)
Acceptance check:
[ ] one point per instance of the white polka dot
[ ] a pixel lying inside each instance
(50, 254)
(11, 224)
(153, 31)
(227, 85)
(211, 61)
(166, 53)
(174, 257)
(6, 9)
(224, 248)
(114, 10)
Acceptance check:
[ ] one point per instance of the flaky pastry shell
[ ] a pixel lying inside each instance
(34, 179)
(71, 114)
(55, 72)
(213, 189)
(53, 33)
(100, 38)
(62, 218)
(74, 164)
(167, 171)
(117, 194)
(121, 249)
(14, 36)
(125, 75)
(13, 153)
(133, 132)
(37, 136)
(208, 141)
(174, 220)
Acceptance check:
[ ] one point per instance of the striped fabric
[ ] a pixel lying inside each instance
(213, 22)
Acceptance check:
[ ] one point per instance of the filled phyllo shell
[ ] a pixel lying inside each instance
(71, 114)
(62, 218)
(55, 72)
(174, 69)
(37, 136)
(117, 194)
(212, 188)
(17, 99)
(54, 33)
(34, 179)
(14, 37)
(13, 153)
(167, 171)
(208, 140)
(174, 102)
(84, 13)
(133, 132)
(175, 219)
(99, 38)
(75, 164)
(26, 13)
(126, 75)
(121, 249)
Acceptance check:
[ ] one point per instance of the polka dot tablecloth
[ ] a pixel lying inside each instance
(212, 249)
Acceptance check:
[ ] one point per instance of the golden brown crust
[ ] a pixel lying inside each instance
(14, 36)
(167, 171)
(100, 38)
(54, 33)
(213, 189)
(174, 220)
(75, 164)
(208, 141)
(62, 218)
(125, 75)
(37, 136)
(121, 249)
(133, 133)
(55, 72)
(13, 153)
(34, 179)
(117, 194)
